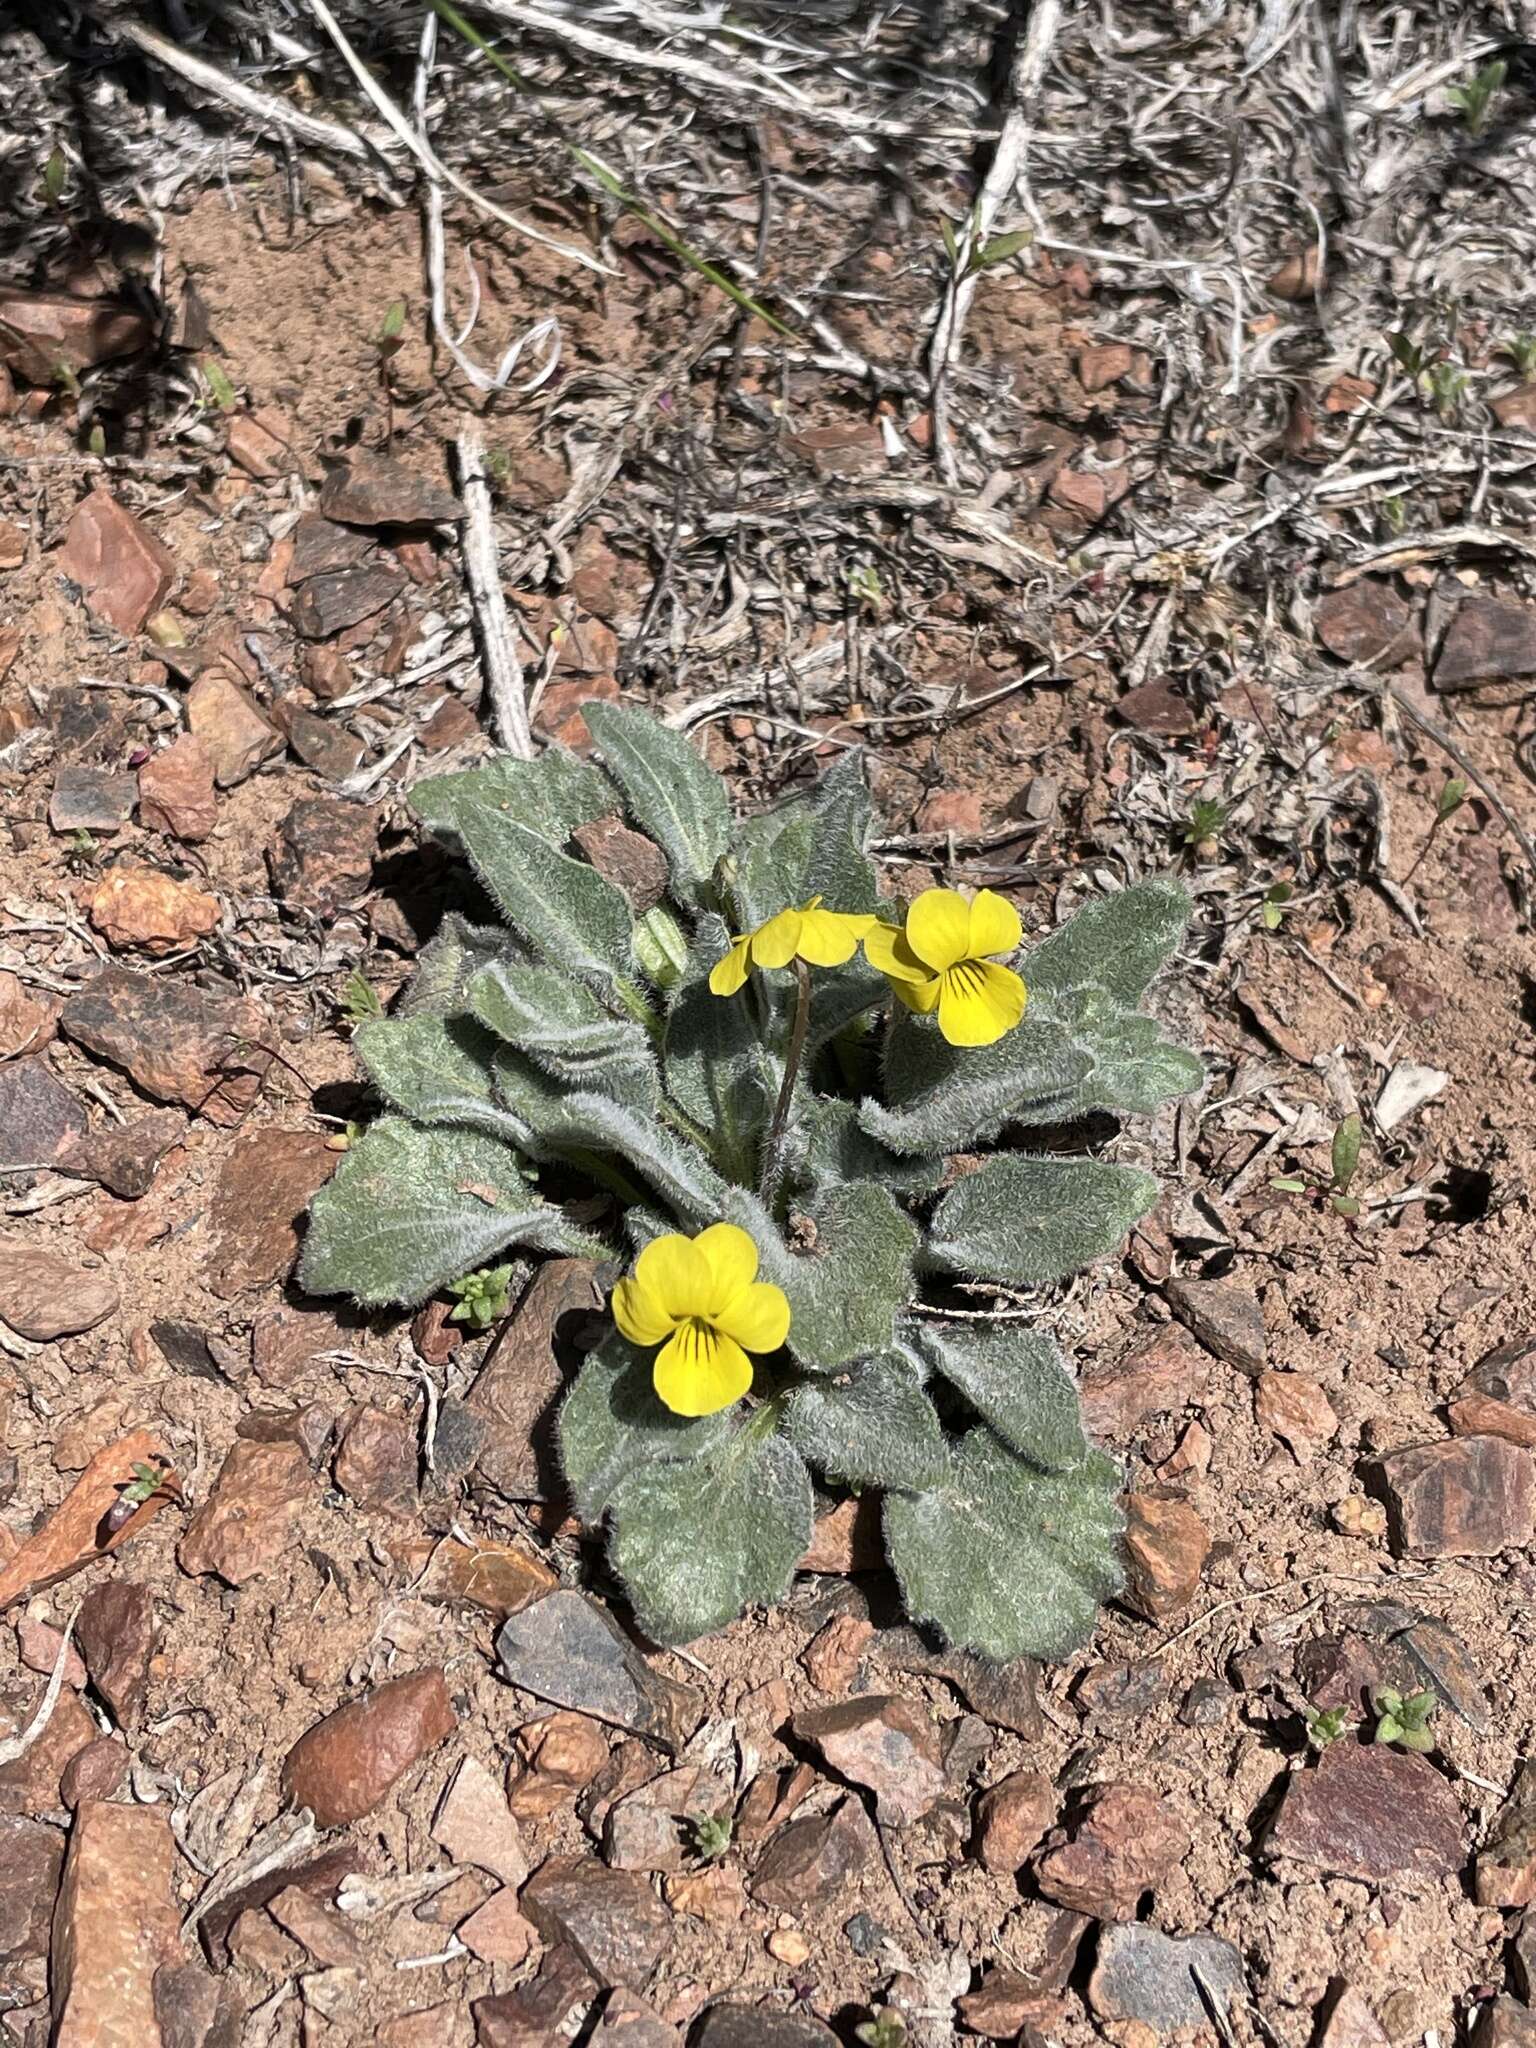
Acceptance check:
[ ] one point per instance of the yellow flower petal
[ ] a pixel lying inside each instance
(758, 1319)
(918, 995)
(829, 937)
(731, 970)
(978, 1002)
(673, 1276)
(700, 1372)
(886, 948)
(939, 928)
(641, 1319)
(731, 1257)
(995, 926)
(773, 944)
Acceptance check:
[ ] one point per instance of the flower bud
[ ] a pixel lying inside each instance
(661, 947)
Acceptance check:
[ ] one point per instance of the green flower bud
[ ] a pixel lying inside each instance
(661, 947)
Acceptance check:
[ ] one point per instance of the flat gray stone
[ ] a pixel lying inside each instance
(1143, 1974)
(569, 1651)
(755, 2026)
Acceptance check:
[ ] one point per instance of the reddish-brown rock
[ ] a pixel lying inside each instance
(561, 1755)
(1370, 1812)
(534, 2015)
(1104, 364)
(1157, 707)
(807, 1863)
(46, 1294)
(626, 858)
(847, 1539)
(323, 856)
(518, 1389)
(39, 331)
(94, 1772)
(123, 1157)
(237, 735)
(1123, 1844)
(248, 1520)
(1366, 622)
(31, 1858)
(1481, 1415)
(611, 1919)
(33, 1782)
(179, 1043)
(117, 1636)
(1297, 1410)
(140, 907)
(958, 813)
(176, 793)
(628, 2022)
(347, 1763)
(498, 1931)
(1227, 1319)
(1490, 640)
(1471, 1497)
(377, 1461)
(885, 1744)
(73, 1534)
(474, 1824)
(1505, 1871)
(1166, 1545)
(379, 490)
(123, 569)
(265, 1186)
(1159, 1377)
(27, 1021)
(116, 1924)
(1011, 1817)
(831, 1659)
(498, 1578)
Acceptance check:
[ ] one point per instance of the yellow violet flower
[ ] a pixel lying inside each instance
(821, 938)
(940, 961)
(701, 1300)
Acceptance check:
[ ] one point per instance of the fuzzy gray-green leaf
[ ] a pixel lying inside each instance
(671, 793)
(448, 962)
(575, 919)
(1117, 943)
(1005, 1559)
(695, 1543)
(839, 869)
(871, 1425)
(611, 1424)
(944, 1098)
(677, 1170)
(1017, 1383)
(551, 795)
(717, 1067)
(435, 1069)
(1029, 1222)
(544, 1012)
(846, 1292)
(409, 1210)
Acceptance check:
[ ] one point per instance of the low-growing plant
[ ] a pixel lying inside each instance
(1326, 1725)
(480, 1297)
(1476, 95)
(769, 1079)
(1344, 1161)
(1405, 1718)
(885, 2029)
(710, 1835)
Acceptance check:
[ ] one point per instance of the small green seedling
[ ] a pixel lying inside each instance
(220, 390)
(1326, 1725)
(1345, 1164)
(1405, 1719)
(359, 999)
(481, 1296)
(1446, 385)
(1409, 354)
(865, 587)
(1521, 351)
(54, 173)
(885, 2029)
(1207, 820)
(1473, 99)
(1393, 513)
(709, 1835)
(1273, 908)
(1453, 794)
(147, 1481)
(96, 440)
(975, 256)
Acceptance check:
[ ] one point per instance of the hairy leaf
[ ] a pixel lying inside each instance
(846, 1292)
(539, 1009)
(409, 1210)
(1017, 1383)
(717, 1067)
(773, 852)
(839, 870)
(677, 1170)
(827, 1146)
(1117, 943)
(1005, 1559)
(1032, 1221)
(611, 1424)
(448, 962)
(576, 920)
(437, 1070)
(698, 1542)
(870, 1425)
(671, 792)
(946, 1098)
(551, 796)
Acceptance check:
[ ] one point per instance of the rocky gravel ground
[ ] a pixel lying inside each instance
(320, 1719)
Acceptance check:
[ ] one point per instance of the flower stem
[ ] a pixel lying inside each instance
(773, 1151)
